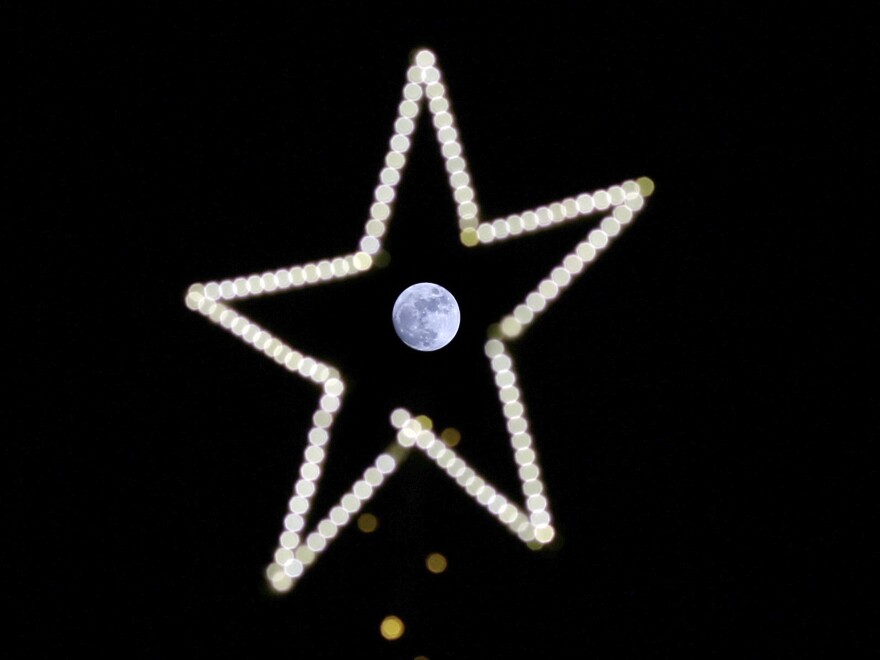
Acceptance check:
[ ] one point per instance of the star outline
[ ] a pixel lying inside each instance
(298, 548)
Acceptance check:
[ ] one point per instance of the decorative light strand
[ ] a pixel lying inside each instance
(299, 546)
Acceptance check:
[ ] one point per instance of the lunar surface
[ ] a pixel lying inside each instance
(426, 316)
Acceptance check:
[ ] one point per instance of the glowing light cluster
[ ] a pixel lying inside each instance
(298, 545)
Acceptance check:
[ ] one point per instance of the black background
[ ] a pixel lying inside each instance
(684, 393)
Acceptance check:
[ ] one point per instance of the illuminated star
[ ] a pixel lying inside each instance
(530, 519)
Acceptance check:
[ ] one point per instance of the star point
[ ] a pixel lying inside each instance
(299, 545)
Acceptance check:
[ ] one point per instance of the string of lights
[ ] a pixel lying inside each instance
(300, 545)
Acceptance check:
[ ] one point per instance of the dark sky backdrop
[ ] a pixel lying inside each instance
(681, 412)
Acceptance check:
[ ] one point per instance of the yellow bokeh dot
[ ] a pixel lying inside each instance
(451, 437)
(646, 186)
(367, 522)
(391, 627)
(425, 422)
(381, 259)
(469, 237)
(436, 562)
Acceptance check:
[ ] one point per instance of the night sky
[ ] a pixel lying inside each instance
(683, 393)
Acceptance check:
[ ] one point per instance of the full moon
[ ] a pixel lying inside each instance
(426, 316)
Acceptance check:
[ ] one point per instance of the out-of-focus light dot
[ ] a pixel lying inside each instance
(435, 90)
(379, 211)
(635, 203)
(339, 515)
(395, 159)
(584, 203)
(318, 436)
(502, 229)
(513, 409)
(436, 562)
(646, 186)
(524, 456)
(288, 540)
(440, 104)
(459, 179)
(293, 522)
(536, 302)
(493, 348)
(450, 436)
(408, 109)
(384, 194)
(598, 239)
(501, 362)
(424, 439)
(362, 490)
(622, 214)
(325, 269)
(362, 260)
(548, 289)
(586, 252)
(385, 464)
(412, 91)
(617, 195)
(602, 200)
(400, 143)
(442, 119)
(399, 417)
(573, 264)
(485, 233)
(533, 488)
(322, 419)
(305, 488)
(373, 477)
(293, 568)
(298, 504)
(451, 150)
(310, 471)
(511, 327)
(282, 556)
(523, 314)
(537, 503)
(526, 533)
(540, 518)
(350, 503)
(370, 244)
(436, 450)
(425, 422)
(469, 237)
(367, 523)
(529, 472)
(545, 216)
(545, 534)
(560, 276)
(515, 223)
(431, 75)
(375, 228)
(297, 276)
(391, 627)
(425, 58)
(327, 529)
(329, 403)
(508, 514)
(610, 226)
(316, 542)
(321, 373)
